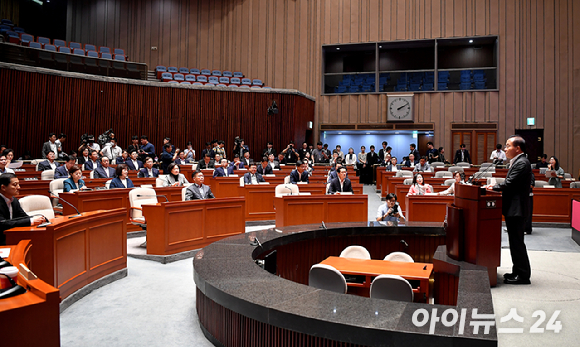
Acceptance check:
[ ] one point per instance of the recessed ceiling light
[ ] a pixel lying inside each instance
(470, 41)
(426, 133)
(396, 133)
(368, 133)
(338, 48)
(339, 133)
(380, 46)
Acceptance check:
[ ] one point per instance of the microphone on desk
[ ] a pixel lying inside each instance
(288, 189)
(153, 196)
(404, 243)
(66, 202)
(255, 242)
(472, 178)
(323, 226)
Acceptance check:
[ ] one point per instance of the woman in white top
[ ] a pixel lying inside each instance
(350, 158)
(174, 178)
(459, 178)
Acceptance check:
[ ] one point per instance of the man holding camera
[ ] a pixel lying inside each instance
(290, 154)
(390, 211)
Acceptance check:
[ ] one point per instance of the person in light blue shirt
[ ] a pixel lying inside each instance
(390, 211)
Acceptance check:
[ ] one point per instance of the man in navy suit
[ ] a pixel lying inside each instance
(237, 164)
(134, 164)
(198, 191)
(62, 171)
(516, 202)
(13, 216)
(462, 155)
(148, 170)
(223, 170)
(265, 168)
(340, 184)
(104, 171)
(49, 163)
(252, 177)
(93, 163)
(300, 174)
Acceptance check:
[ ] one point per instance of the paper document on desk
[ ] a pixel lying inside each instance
(4, 252)
(15, 164)
(492, 181)
(550, 173)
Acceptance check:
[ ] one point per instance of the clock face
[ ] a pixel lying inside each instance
(400, 108)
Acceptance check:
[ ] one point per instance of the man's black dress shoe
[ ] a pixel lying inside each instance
(509, 275)
(517, 279)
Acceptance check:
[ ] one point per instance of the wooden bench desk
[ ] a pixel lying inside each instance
(371, 268)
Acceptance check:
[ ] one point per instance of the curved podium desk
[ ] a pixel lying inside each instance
(315, 209)
(240, 304)
(174, 227)
(73, 252)
(32, 318)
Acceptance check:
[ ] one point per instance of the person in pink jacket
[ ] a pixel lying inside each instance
(419, 187)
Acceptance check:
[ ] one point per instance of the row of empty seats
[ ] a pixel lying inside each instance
(167, 77)
(159, 69)
(89, 50)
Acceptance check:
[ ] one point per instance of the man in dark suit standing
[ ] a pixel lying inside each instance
(104, 171)
(300, 174)
(414, 152)
(269, 150)
(198, 191)
(50, 145)
(11, 214)
(252, 177)
(340, 184)
(264, 168)
(462, 155)
(383, 151)
(515, 195)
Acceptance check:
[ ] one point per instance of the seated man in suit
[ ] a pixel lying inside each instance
(198, 191)
(462, 155)
(341, 183)
(104, 171)
(333, 173)
(62, 171)
(422, 166)
(237, 164)
(148, 170)
(246, 160)
(206, 163)
(252, 177)
(281, 159)
(300, 174)
(11, 214)
(182, 159)
(134, 164)
(410, 162)
(223, 170)
(273, 163)
(49, 163)
(93, 162)
(265, 168)
(392, 166)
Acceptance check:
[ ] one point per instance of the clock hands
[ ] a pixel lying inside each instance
(401, 107)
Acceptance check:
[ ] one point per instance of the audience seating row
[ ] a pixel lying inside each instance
(206, 72)
(56, 45)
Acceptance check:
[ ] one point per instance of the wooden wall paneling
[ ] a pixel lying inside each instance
(549, 46)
